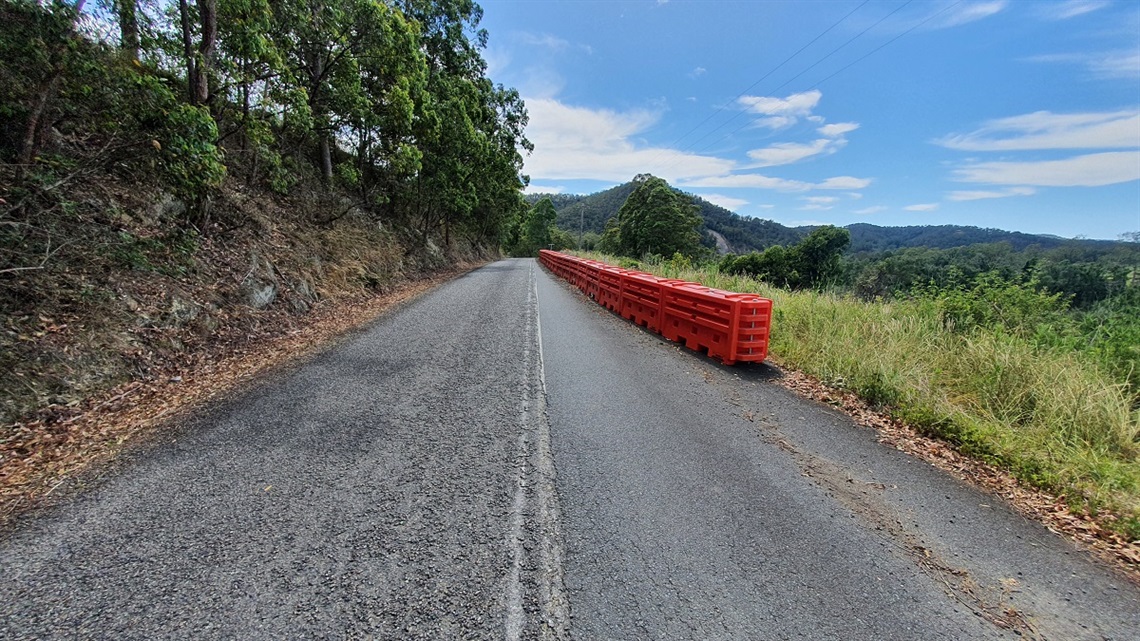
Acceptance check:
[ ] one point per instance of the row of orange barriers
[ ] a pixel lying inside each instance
(729, 326)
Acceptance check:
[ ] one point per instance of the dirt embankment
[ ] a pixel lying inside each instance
(113, 317)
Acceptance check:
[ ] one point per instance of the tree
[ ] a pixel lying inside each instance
(813, 262)
(656, 219)
(537, 228)
(816, 258)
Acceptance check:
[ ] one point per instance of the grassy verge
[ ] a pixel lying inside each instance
(1054, 418)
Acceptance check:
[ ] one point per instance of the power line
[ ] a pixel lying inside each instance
(790, 80)
(844, 68)
(765, 76)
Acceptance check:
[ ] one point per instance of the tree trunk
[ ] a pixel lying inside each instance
(188, 50)
(128, 28)
(30, 144)
(326, 157)
(209, 15)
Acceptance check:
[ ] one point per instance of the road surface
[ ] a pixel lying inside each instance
(501, 459)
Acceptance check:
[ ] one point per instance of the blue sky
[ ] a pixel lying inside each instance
(1016, 115)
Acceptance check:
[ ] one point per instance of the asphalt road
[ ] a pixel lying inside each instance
(501, 459)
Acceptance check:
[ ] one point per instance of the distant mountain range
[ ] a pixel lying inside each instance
(733, 233)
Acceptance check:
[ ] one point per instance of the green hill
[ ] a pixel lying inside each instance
(740, 234)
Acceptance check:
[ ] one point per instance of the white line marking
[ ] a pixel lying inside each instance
(555, 604)
(516, 617)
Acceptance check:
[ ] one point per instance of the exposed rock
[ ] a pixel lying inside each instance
(181, 311)
(260, 286)
(259, 295)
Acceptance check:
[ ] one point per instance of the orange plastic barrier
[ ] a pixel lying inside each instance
(729, 326)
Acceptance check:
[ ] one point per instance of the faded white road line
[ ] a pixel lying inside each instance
(537, 474)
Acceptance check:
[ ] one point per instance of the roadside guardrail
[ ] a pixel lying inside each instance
(729, 326)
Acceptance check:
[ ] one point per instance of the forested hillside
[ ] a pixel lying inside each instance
(745, 233)
(179, 175)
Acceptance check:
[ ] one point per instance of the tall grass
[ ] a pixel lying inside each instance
(1053, 417)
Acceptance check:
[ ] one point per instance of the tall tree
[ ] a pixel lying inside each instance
(656, 219)
(537, 228)
(199, 57)
(58, 56)
(129, 40)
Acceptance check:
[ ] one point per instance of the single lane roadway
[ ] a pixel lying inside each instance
(502, 459)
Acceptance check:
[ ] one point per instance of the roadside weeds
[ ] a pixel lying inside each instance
(1032, 503)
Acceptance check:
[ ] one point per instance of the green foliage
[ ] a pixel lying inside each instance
(537, 230)
(1052, 412)
(591, 213)
(813, 262)
(994, 302)
(192, 160)
(1082, 273)
(387, 100)
(655, 219)
(171, 254)
(1111, 332)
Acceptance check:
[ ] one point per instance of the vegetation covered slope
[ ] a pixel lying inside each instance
(745, 234)
(177, 176)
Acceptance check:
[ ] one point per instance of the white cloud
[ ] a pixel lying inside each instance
(806, 223)
(866, 211)
(1070, 9)
(698, 72)
(1090, 170)
(759, 181)
(966, 12)
(781, 112)
(984, 195)
(775, 122)
(574, 142)
(581, 143)
(544, 40)
(1046, 130)
(786, 153)
(543, 189)
(854, 195)
(728, 202)
(497, 60)
(838, 129)
(754, 181)
(818, 203)
(538, 81)
(1105, 65)
(844, 182)
(921, 207)
(1124, 64)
